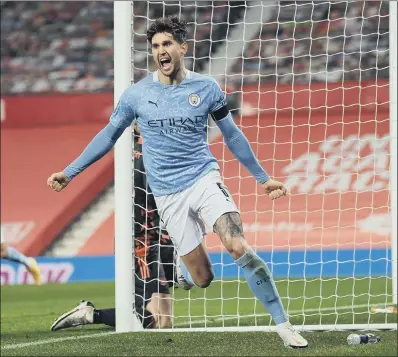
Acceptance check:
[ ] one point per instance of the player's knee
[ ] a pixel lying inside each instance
(237, 247)
(204, 280)
(236, 251)
(202, 272)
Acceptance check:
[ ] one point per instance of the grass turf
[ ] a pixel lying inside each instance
(28, 311)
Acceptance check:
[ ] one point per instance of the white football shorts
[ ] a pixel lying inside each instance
(186, 215)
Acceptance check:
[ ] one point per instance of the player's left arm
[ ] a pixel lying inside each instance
(241, 149)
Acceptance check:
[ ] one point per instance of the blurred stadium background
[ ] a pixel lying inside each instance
(56, 93)
(309, 85)
(322, 69)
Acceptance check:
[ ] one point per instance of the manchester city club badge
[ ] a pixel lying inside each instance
(194, 99)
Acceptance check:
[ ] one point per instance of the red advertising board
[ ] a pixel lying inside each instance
(32, 215)
(34, 110)
(56, 109)
(337, 174)
(330, 147)
(318, 98)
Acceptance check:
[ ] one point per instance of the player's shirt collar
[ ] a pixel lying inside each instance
(156, 78)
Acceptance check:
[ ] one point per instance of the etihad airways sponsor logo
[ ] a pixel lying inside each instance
(178, 124)
(176, 121)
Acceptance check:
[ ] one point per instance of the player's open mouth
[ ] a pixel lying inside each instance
(165, 63)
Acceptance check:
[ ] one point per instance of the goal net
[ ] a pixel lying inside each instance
(309, 85)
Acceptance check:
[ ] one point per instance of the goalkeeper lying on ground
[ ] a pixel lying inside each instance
(154, 266)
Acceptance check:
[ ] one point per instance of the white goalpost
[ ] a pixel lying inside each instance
(124, 267)
(313, 86)
(393, 134)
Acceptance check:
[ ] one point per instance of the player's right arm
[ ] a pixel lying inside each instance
(102, 143)
(240, 146)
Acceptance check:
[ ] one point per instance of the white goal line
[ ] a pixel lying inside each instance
(13, 346)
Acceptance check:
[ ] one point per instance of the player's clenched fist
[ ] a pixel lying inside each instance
(274, 189)
(58, 181)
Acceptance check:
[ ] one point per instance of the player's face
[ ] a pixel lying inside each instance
(168, 53)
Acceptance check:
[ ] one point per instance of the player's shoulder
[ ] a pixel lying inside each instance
(136, 89)
(149, 79)
(199, 77)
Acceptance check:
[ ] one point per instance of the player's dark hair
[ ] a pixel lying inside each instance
(171, 24)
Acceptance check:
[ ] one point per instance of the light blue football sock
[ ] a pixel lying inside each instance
(16, 256)
(262, 284)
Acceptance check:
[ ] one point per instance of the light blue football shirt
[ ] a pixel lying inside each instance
(172, 120)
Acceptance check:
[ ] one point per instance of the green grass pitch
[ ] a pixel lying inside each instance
(28, 311)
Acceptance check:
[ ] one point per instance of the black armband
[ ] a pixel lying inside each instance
(220, 113)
